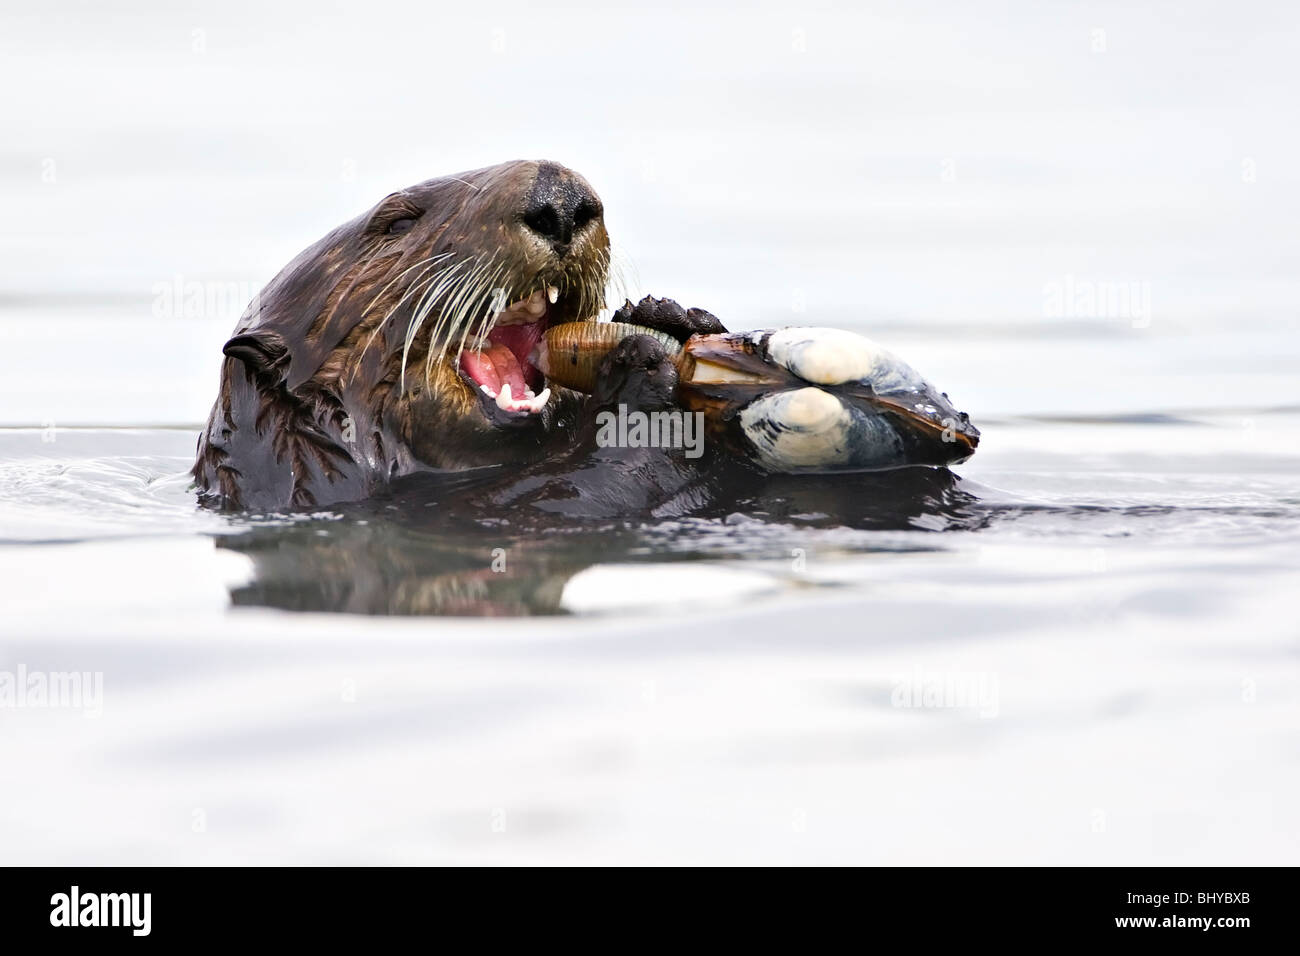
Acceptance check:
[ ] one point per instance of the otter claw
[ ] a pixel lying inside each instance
(665, 315)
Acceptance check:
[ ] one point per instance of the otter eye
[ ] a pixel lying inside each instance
(399, 226)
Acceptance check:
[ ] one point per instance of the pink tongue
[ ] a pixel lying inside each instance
(494, 367)
(498, 363)
(479, 367)
(507, 367)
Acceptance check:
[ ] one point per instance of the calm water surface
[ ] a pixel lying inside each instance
(1081, 648)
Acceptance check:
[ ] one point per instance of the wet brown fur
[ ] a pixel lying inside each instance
(311, 408)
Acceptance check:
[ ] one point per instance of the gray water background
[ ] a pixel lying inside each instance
(1087, 238)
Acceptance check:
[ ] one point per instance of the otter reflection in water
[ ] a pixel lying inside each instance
(472, 545)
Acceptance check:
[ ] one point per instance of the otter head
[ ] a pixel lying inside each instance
(419, 315)
(487, 261)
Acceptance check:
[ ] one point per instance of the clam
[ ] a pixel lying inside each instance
(570, 354)
(805, 399)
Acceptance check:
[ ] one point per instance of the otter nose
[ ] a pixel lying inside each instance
(560, 205)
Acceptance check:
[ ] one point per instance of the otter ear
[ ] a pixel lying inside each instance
(261, 352)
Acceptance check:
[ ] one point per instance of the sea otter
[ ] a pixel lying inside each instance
(408, 341)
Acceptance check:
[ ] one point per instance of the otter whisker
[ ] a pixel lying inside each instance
(585, 305)
(445, 280)
(340, 297)
(454, 313)
(446, 311)
(427, 265)
(475, 303)
(447, 291)
(452, 281)
(503, 296)
(622, 278)
(454, 308)
(465, 296)
(405, 272)
(427, 276)
(500, 299)
(446, 297)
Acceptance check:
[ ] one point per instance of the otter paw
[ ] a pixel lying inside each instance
(665, 315)
(637, 373)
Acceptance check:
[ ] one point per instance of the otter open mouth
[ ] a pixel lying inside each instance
(501, 370)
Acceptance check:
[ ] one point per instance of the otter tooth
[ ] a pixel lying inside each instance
(522, 311)
(529, 403)
(552, 294)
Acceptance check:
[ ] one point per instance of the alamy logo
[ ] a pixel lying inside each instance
(102, 909)
(1076, 298)
(190, 299)
(637, 429)
(82, 690)
(947, 690)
